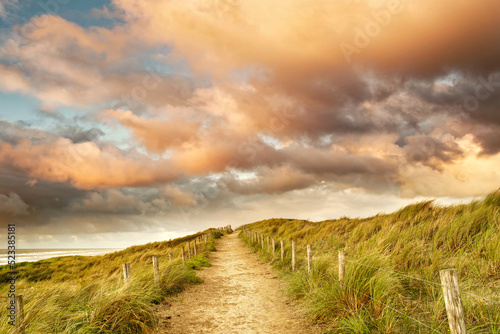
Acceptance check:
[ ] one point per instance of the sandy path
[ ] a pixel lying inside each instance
(239, 295)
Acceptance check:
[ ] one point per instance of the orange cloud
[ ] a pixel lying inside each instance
(154, 133)
(13, 80)
(282, 90)
(305, 37)
(85, 165)
(177, 195)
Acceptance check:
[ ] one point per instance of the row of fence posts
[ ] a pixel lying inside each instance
(201, 238)
(449, 279)
(156, 267)
(19, 305)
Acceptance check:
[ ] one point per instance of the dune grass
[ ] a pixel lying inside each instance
(88, 294)
(419, 241)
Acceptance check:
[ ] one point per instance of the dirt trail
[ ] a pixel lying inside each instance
(239, 295)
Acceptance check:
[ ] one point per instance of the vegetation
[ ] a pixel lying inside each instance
(418, 241)
(78, 294)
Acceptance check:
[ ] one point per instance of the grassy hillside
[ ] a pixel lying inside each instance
(382, 252)
(79, 294)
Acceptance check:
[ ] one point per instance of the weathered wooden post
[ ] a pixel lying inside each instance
(19, 309)
(282, 244)
(189, 250)
(454, 309)
(206, 238)
(274, 247)
(293, 254)
(126, 271)
(253, 237)
(309, 259)
(156, 271)
(183, 255)
(262, 240)
(268, 241)
(194, 248)
(341, 266)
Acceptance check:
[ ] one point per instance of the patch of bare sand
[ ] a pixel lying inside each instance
(239, 294)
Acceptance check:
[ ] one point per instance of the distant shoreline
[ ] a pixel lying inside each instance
(33, 255)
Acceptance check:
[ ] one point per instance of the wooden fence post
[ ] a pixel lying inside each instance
(274, 247)
(262, 240)
(126, 271)
(282, 244)
(189, 250)
(456, 319)
(309, 259)
(293, 254)
(194, 247)
(19, 306)
(170, 255)
(341, 266)
(156, 271)
(183, 255)
(268, 241)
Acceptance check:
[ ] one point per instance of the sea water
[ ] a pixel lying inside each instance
(32, 255)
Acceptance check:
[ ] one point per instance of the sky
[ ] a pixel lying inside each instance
(125, 121)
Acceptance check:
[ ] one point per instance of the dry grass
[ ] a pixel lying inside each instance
(88, 294)
(418, 240)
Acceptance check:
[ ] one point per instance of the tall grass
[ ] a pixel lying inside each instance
(418, 240)
(96, 299)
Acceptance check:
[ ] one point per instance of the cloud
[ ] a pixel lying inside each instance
(157, 134)
(307, 37)
(472, 176)
(110, 201)
(177, 195)
(12, 204)
(78, 134)
(65, 62)
(13, 133)
(13, 80)
(5, 5)
(84, 165)
(299, 105)
(271, 181)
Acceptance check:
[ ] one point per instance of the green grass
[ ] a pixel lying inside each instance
(88, 294)
(418, 240)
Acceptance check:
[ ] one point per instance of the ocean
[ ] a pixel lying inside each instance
(32, 255)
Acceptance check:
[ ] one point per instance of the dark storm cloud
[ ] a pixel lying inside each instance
(79, 135)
